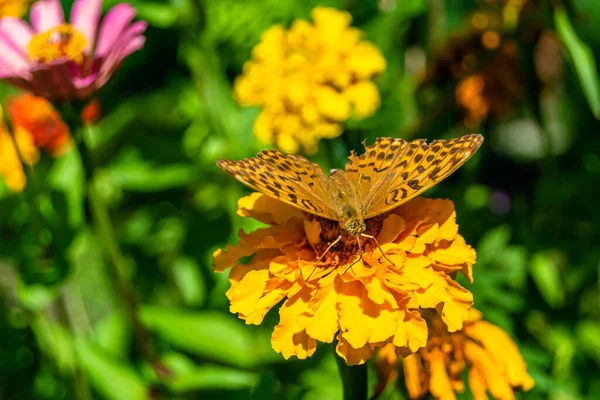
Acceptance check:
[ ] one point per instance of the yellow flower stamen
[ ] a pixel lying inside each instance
(63, 41)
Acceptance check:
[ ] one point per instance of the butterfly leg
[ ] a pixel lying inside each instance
(336, 241)
(360, 255)
(378, 245)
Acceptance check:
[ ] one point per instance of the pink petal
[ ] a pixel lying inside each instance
(85, 16)
(131, 38)
(112, 27)
(17, 30)
(46, 14)
(134, 45)
(12, 57)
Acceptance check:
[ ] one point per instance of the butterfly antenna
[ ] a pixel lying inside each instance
(359, 258)
(379, 246)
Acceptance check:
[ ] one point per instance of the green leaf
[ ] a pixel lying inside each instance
(145, 178)
(211, 335)
(208, 377)
(67, 176)
(112, 333)
(112, 378)
(493, 243)
(582, 58)
(545, 274)
(190, 281)
(157, 14)
(588, 337)
(56, 342)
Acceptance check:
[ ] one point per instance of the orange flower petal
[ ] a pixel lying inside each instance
(361, 320)
(387, 367)
(456, 311)
(503, 350)
(321, 323)
(351, 354)
(477, 384)
(392, 226)
(439, 383)
(496, 383)
(411, 332)
(289, 338)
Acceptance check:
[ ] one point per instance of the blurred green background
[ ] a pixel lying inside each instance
(528, 200)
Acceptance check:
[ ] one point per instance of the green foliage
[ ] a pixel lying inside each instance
(83, 317)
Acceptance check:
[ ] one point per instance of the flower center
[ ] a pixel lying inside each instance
(347, 248)
(63, 41)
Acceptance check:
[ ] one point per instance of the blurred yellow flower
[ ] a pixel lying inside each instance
(309, 80)
(494, 363)
(13, 8)
(365, 301)
(11, 168)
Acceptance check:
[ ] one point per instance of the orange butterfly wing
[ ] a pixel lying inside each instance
(289, 178)
(393, 171)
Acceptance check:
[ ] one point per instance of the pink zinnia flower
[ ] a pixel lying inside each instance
(63, 61)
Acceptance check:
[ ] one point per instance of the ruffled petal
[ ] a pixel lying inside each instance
(503, 350)
(321, 322)
(351, 354)
(289, 338)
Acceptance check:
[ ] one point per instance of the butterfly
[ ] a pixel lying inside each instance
(389, 173)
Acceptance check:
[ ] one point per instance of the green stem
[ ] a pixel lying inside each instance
(354, 380)
(119, 267)
(108, 239)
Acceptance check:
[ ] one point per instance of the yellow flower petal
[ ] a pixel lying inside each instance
(412, 376)
(439, 383)
(321, 322)
(351, 354)
(307, 79)
(361, 320)
(288, 337)
(364, 97)
(477, 384)
(503, 350)
(497, 385)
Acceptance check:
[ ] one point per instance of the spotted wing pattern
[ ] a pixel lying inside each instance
(289, 178)
(393, 171)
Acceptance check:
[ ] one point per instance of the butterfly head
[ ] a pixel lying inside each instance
(354, 226)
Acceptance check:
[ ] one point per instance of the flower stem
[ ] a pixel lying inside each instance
(354, 379)
(117, 261)
(108, 240)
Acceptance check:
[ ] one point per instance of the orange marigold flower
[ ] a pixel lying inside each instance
(309, 79)
(37, 117)
(365, 301)
(494, 363)
(11, 169)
